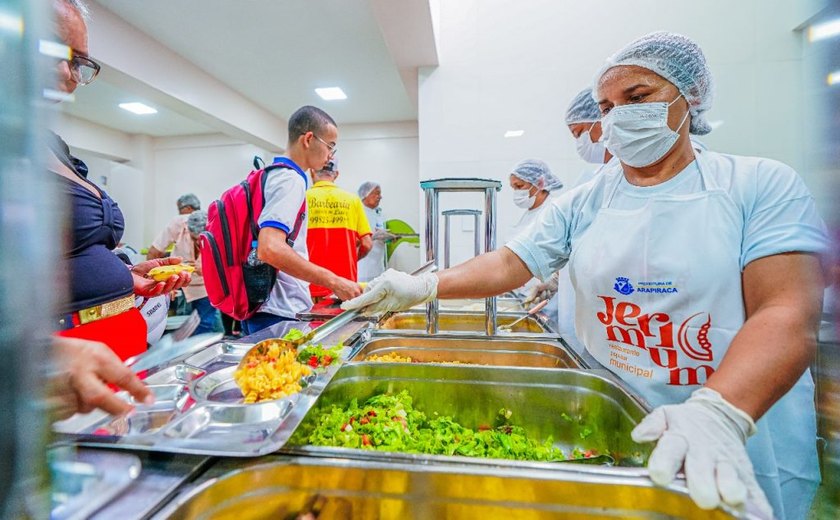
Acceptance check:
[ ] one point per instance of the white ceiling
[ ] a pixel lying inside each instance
(272, 53)
(98, 103)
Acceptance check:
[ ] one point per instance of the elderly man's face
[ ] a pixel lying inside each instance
(629, 84)
(71, 29)
(373, 198)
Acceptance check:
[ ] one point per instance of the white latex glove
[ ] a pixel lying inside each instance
(395, 291)
(706, 436)
(380, 235)
(543, 291)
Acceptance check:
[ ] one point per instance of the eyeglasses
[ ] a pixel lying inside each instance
(330, 147)
(82, 68)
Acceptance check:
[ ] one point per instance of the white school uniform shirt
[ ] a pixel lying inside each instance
(285, 191)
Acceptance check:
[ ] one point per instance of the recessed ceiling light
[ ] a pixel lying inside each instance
(514, 133)
(824, 30)
(138, 108)
(331, 93)
(834, 77)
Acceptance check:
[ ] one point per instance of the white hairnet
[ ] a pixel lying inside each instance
(190, 200)
(534, 170)
(677, 59)
(583, 108)
(366, 188)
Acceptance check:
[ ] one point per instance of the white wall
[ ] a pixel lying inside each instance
(388, 154)
(204, 165)
(515, 65)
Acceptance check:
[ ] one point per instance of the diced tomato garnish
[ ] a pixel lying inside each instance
(327, 360)
(372, 413)
(364, 420)
(352, 420)
(483, 428)
(365, 440)
(588, 453)
(313, 361)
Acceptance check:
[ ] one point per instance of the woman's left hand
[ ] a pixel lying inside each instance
(149, 288)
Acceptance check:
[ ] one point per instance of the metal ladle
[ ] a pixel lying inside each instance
(535, 309)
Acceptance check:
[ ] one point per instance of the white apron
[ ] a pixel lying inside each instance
(373, 264)
(659, 301)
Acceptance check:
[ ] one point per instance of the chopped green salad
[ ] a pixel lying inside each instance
(316, 356)
(391, 423)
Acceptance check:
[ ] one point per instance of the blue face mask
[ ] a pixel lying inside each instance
(638, 134)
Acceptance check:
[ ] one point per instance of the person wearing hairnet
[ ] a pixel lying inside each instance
(698, 281)
(373, 264)
(583, 118)
(534, 186)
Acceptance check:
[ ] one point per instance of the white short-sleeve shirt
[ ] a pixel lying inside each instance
(779, 212)
(285, 193)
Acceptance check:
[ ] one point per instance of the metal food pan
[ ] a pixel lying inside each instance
(460, 322)
(487, 351)
(578, 409)
(502, 305)
(345, 489)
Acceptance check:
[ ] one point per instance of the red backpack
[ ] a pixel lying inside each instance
(234, 285)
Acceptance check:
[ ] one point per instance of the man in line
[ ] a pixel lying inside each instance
(338, 234)
(187, 203)
(312, 141)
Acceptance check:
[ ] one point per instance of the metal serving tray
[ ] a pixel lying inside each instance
(199, 409)
(579, 409)
(496, 351)
(461, 322)
(344, 489)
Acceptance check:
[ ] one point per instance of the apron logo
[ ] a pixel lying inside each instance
(625, 323)
(704, 352)
(623, 286)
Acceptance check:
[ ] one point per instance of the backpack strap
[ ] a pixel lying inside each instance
(290, 239)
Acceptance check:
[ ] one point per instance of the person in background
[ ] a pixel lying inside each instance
(187, 203)
(534, 187)
(338, 234)
(312, 142)
(698, 277)
(195, 293)
(102, 288)
(373, 264)
(182, 232)
(583, 118)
